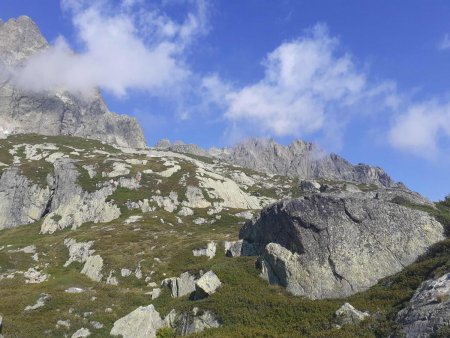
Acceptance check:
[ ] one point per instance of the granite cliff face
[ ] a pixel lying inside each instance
(58, 112)
(334, 245)
(300, 159)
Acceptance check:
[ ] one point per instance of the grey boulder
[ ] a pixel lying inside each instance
(327, 246)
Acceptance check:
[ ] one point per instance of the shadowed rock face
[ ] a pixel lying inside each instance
(55, 112)
(300, 159)
(327, 246)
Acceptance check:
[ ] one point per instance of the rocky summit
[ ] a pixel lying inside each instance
(55, 112)
(101, 236)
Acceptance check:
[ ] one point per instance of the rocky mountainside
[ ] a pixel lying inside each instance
(111, 241)
(300, 159)
(53, 112)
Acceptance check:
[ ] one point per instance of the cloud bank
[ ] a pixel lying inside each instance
(123, 48)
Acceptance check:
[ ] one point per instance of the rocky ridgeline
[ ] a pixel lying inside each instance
(300, 159)
(57, 112)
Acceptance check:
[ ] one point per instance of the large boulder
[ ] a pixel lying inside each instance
(327, 246)
(428, 312)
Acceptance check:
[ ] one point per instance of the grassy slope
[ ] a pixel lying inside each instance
(246, 304)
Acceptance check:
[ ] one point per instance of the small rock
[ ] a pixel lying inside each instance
(155, 293)
(132, 219)
(81, 333)
(138, 272)
(97, 325)
(347, 314)
(180, 286)
(207, 285)
(93, 267)
(199, 221)
(112, 280)
(125, 272)
(44, 297)
(74, 290)
(78, 252)
(185, 211)
(209, 251)
(32, 276)
(63, 323)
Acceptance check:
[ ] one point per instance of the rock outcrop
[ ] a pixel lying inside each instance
(71, 206)
(300, 159)
(21, 201)
(331, 245)
(53, 112)
(428, 312)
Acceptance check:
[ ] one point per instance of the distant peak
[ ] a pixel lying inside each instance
(163, 143)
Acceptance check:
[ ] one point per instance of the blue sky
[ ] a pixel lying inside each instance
(366, 79)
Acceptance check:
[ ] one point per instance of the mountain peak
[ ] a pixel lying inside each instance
(19, 39)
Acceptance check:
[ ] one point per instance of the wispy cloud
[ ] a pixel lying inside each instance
(422, 129)
(125, 47)
(307, 82)
(444, 43)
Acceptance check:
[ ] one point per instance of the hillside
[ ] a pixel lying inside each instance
(91, 232)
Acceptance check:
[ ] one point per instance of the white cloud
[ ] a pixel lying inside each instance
(445, 42)
(305, 81)
(421, 128)
(126, 47)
